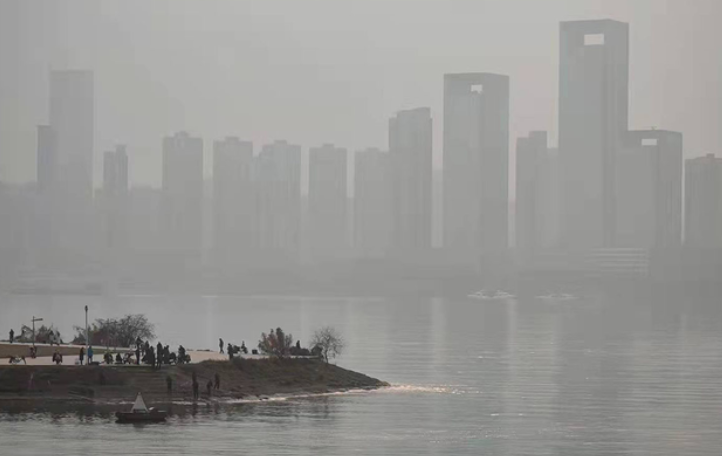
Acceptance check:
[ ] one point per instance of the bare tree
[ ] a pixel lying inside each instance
(275, 343)
(118, 332)
(328, 342)
(43, 335)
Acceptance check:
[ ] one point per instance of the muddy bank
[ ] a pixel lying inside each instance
(240, 379)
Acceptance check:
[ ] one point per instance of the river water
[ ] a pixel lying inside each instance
(595, 376)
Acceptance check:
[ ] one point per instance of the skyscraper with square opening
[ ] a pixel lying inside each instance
(593, 118)
(476, 165)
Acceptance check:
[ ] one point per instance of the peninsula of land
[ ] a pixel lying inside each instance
(240, 378)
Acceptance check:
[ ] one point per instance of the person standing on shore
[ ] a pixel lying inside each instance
(218, 381)
(159, 355)
(12, 335)
(220, 345)
(90, 355)
(195, 386)
(81, 355)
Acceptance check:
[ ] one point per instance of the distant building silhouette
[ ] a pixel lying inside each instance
(44, 234)
(278, 172)
(476, 162)
(537, 196)
(115, 195)
(372, 203)
(234, 203)
(46, 160)
(182, 205)
(145, 236)
(649, 190)
(703, 202)
(410, 146)
(327, 201)
(72, 120)
(593, 111)
(115, 171)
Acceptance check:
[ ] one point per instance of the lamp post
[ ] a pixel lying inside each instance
(87, 334)
(34, 320)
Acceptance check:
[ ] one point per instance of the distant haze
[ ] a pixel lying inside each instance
(313, 72)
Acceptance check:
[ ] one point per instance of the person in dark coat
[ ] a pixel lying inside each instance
(12, 335)
(220, 345)
(218, 381)
(81, 355)
(195, 387)
(137, 354)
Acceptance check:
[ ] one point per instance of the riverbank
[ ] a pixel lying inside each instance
(240, 379)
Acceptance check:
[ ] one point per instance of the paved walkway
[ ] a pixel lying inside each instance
(70, 354)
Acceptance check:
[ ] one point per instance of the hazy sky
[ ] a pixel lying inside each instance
(332, 71)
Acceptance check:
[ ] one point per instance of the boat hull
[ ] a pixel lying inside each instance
(132, 417)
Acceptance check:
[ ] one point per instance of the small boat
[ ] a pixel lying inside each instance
(485, 295)
(141, 414)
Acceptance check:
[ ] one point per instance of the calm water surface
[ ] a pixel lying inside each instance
(590, 377)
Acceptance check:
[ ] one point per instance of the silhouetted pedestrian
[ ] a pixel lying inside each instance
(12, 336)
(81, 355)
(195, 386)
(137, 355)
(218, 381)
(220, 344)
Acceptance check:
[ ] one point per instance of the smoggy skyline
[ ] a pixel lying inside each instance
(324, 72)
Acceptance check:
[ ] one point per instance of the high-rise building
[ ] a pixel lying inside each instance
(234, 218)
(278, 180)
(476, 163)
(537, 195)
(44, 233)
(182, 205)
(593, 110)
(649, 190)
(703, 202)
(115, 196)
(46, 160)
(372, 203)
(410, 146)
(71, 111)
(327, 201)
(72, 121)
(115, 171)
